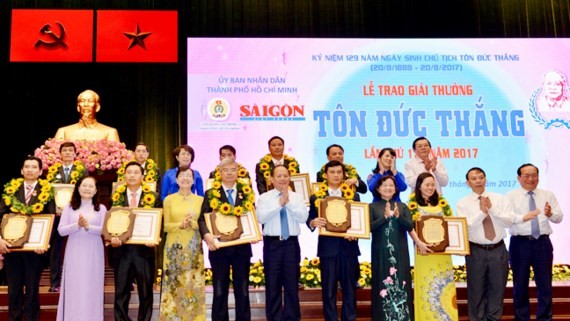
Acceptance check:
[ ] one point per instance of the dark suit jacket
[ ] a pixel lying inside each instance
(49, 207)
(61, 174)
(242, 249)
(260, 179)
(141, 250)
(330, 246)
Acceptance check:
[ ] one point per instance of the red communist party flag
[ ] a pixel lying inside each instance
(51, 35)
(137, 36)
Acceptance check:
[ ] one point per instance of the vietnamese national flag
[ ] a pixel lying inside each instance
(51, 35)
(137, 36)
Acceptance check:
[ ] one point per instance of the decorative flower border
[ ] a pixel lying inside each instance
(243, 192)
(46, 194)
(102, 155)
(415, 210)
(266, 169)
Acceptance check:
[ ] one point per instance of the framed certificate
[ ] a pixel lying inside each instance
(40, 233)
(432, 230)
(147, 226)
(63, 193)
(15, 229)
(302, 184)
(249, 224)
(315, 187)
(359, 222)
(458, 237)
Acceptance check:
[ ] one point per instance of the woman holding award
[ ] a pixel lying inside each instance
(81, 296)
(434, 284)
(183, 284)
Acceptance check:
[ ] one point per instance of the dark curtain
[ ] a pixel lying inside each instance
(147, 102)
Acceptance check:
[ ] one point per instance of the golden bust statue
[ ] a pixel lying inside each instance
(87, 128)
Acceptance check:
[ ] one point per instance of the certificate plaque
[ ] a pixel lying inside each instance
(359, 222)
(147, 226)
(229, 227)
(119, 222)
(432, 230)
(63, 194)
(251, 231)
(40, 233)
(337, 212)
(16, 229)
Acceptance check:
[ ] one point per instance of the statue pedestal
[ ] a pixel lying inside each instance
(105, 181)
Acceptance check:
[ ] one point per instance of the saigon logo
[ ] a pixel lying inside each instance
(219, 109)
(272, 112)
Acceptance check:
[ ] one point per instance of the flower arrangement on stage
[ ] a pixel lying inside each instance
(311, 273)
(102, 155)
(257, 274)
(46, 194)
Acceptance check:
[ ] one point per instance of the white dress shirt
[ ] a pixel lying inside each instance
(268, 212)
(138, 195)
(415, 166)
(335, 192)
(520, 199)
(501, 214)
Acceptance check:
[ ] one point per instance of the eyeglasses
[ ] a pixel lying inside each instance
(229, 170)
(525, 176)
(185, 176)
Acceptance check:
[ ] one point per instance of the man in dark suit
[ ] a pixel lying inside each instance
(24, 269)
(236, 257)
(338, 256)
(134, 261)
(67, 173)
(276, 156)
(336, 152)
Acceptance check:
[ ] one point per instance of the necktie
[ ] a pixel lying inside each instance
(66, 170)
(488, 227)
(230, 197)
(29, 190)
(284, 224)
(534, 228)
(133, 201)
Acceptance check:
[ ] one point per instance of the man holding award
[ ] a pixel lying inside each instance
(224, 203)
(132, 261)
(338, 255)
(24, 196)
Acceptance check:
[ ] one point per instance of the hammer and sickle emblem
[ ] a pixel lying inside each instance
(57, 41)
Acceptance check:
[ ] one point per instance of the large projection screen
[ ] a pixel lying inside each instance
(481, 102)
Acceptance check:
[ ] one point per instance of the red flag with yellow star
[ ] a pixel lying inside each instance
(137, 36)
(51, 35)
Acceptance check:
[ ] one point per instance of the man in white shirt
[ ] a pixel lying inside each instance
(281, 210)
(422, 162)
(488, 216)
(530, 244)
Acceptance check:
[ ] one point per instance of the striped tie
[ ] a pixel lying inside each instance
(133, 202)
(29, 191)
